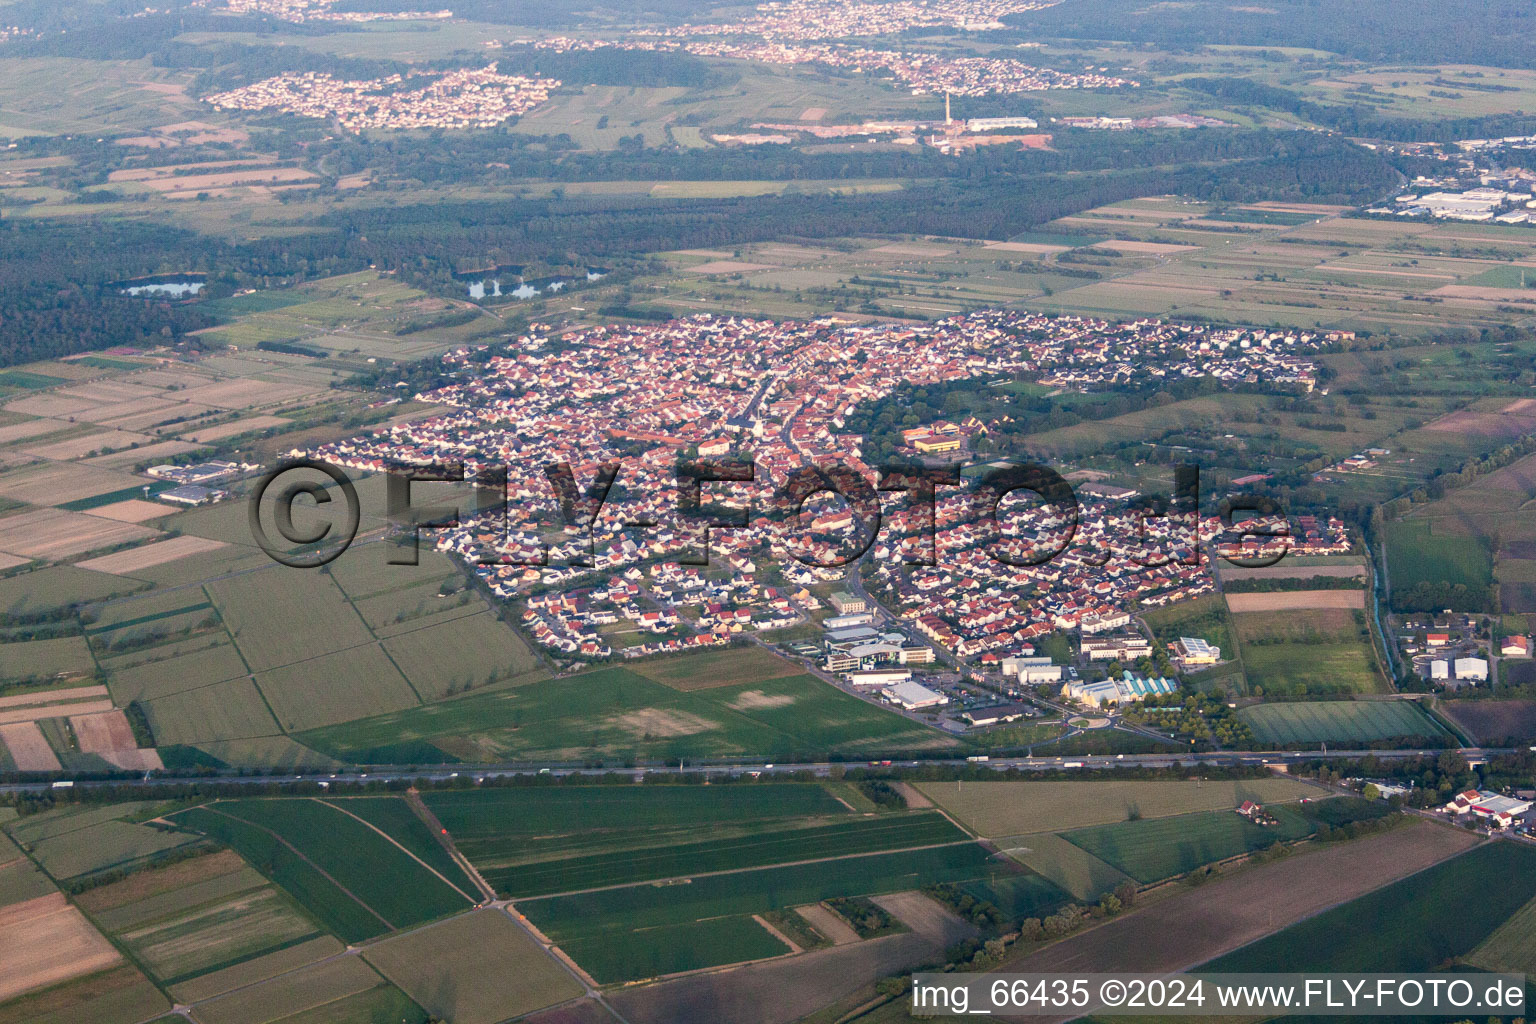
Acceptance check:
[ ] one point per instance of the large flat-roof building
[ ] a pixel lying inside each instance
(912, 696)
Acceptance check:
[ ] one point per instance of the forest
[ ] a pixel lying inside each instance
(54, 275)
(1501, 33)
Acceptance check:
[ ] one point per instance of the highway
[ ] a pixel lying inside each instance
(480, 772)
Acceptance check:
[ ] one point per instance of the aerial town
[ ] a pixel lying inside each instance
(300, 11)
(819, 19)
(780, 394)
(467, 98)
(921, 73)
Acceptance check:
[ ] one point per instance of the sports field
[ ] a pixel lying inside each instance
(995, 809)
(1339, 721)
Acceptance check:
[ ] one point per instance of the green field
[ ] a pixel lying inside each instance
(373, 885)
(638, 931)
(1419, 553)
(669, 948)
(781, 844)
(394, 816)
(1152, 850)
(1512, 946)
(306, 994)
(1416, 924)
(278, 618)
(335, 687)
(615, 714)
(442, 658)
(1339, 721)
(37, 659)
(1296, 669)
(543, 830)
(344, 915)
(70, 845)
(1018, 896)
(1067, 866)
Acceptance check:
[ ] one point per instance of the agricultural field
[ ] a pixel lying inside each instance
(504, 831)
(74, 842)
(709, 669)
(349, 875)
(117, 995)
(1150, 850)
(374, 871)
(998, 809)
(622, 714)
(198, 917)
(785, 843)
(1511, 947)
(1339, 722)
(634, 932)
(477, 968)
(1070, 867)
(1492, 722)
(1307, 650)
(1196, 925)
(1419, 553)
(287, 997)
(1420, 922)
(394, 816)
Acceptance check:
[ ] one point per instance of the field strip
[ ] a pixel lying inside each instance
(1291, 600)
(44, 696)
(41, 711)
(299, 854)
(391, 839)
(123, 563)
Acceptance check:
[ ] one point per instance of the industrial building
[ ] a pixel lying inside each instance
(1032, 670)
(1500, 811)
(1475, 669)
(912, 696)
(880, 677)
